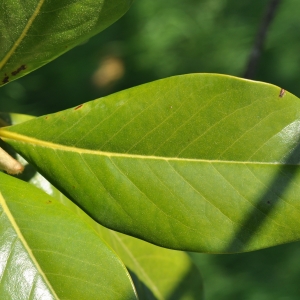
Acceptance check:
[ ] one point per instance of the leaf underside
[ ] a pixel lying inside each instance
(199, 162)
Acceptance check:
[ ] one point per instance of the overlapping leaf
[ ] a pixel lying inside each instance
(196, 162)
(47, 252)
(34, 32)
(158, 273)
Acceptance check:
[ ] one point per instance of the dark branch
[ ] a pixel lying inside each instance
(260, 39)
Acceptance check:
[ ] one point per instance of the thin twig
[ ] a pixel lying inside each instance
(260, 39)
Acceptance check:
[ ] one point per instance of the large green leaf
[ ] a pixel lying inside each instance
(47, 252)
(197, 162)
(34, 32)
(158, 273)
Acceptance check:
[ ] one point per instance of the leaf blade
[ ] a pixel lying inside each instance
(32, 35)
(157, 273)
(54, 238)
(159, 160)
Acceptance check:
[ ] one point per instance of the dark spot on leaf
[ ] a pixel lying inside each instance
(48, 202)
(268, 202)
(77, 107)
(14, 73)
(46, 117)
(282, 92)
(5, 79)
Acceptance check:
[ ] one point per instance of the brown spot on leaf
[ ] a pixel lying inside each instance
(77, 107)
(5, 79)
(282, 92)
(48, 202)
(46, 117)
(14, 73)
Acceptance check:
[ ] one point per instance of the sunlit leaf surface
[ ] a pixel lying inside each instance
(47, 252)
(158, 273)
(198, 162)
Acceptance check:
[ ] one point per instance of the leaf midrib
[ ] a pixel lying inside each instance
(24, 243)
(9, 135)
(22, 35)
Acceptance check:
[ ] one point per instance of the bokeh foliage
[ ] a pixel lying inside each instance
(156, 39)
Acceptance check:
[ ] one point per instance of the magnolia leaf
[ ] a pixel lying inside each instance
(34, 32)
(199, 162)
(47, 252)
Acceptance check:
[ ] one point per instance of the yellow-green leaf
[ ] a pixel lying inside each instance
(158, 273)
(47, 252)
(197, 162)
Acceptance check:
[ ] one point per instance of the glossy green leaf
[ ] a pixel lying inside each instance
(197, 162)
(47, 252)
(34, 32)
(158, 273)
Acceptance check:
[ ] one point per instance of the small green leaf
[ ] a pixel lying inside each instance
(47, 252)
(198, 162)
(34, 32)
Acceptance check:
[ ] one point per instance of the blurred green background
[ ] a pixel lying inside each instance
(157, 39)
